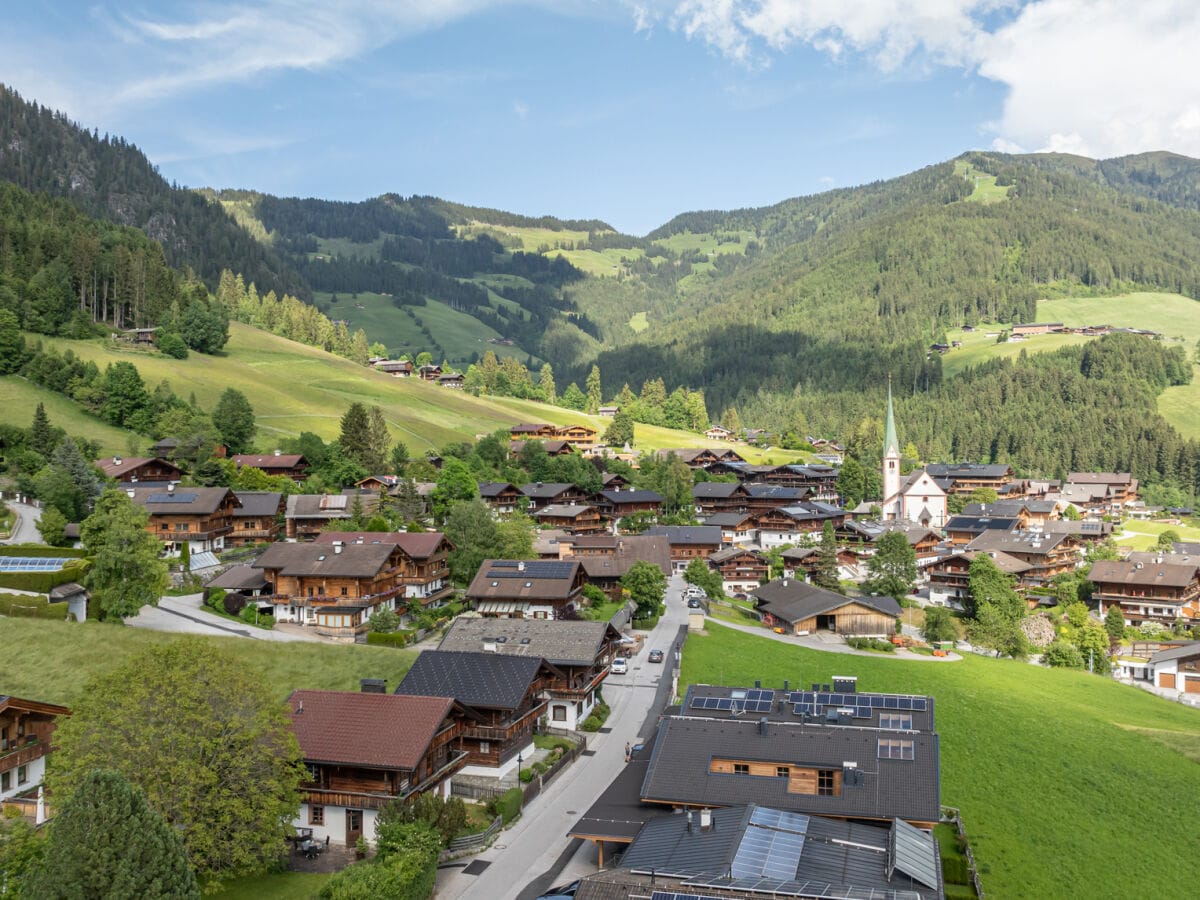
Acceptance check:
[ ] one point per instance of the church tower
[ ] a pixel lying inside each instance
(893, 503)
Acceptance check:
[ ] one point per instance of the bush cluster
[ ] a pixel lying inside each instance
(861, 643)
(595, 721)
(388, 638)
(507, 804)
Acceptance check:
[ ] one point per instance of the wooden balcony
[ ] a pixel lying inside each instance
(22, 756)
(340, 631)
(350, 799)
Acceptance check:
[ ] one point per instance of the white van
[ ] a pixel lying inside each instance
(619, 666)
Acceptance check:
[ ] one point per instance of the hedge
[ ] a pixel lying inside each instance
(404, 875)
(388, 638)
(31, 607)
(645, 624)
(508, 804)
(43, 582)
(955, 870)
(41, 551)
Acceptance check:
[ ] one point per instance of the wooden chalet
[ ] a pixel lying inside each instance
(801, 608)
(201, 517)
(543, 494)
(134, 469)
(617, 503)
(258, 519)
(504, 695)
(288, 465)
(965, 478)
(718, 433)
(950, 576)
(784, 524)
(688, 542)
(577, 435)
(575, 518)
(742, 570)
(503, 497)
(364, 750)
(604, 567)
(453, 380)
(712, 497)
(614, 481)
(762, 497)
(333, 588)
(307, 515)
(379, 484)
(552, 447)
(736, 527)
(961, 530)
(424, 566)
(1177, 667)
(429, 373)
(1046, 555)
(1162, 592)
(26, 728)
(533, 431)
(534, 589)
(580, 651)
(1119, 487)
(709, 458)
(397, 368)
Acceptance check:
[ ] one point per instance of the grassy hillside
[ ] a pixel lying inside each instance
(19, 399)
(296, 388)
(81, 652)
(1053, 770)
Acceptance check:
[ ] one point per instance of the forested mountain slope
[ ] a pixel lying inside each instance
(108, 178)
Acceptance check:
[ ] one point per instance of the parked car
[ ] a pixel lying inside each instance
(619, 666)
(694, 603)
(656, 656)
(562, 892)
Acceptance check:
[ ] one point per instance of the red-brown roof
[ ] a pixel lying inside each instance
(114, 469)
(417, 544)
(384, 731)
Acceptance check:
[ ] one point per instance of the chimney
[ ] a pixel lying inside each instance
(521, 566)
(706, 820)
(337, 546)
(170, 487)
(300, 708)
(279, 453)
(758, 683)
(131, 493)
(116, 460)
(762, 727)
(785, 684)
(373, 685)
(689, 821)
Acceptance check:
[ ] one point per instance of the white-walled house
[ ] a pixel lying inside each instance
(26, 727)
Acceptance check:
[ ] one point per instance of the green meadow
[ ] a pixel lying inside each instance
(1066, 781)
(19, 400)
(986, 189)
(83, 651)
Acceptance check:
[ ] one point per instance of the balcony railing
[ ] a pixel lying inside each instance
(21, 756)
(341, 630)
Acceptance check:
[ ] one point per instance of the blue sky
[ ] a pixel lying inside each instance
(629, 112)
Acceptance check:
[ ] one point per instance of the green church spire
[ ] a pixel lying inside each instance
(890, 444)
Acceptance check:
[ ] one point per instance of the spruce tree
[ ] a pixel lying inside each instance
(233, 418)
(594, 390)
(826, 573)
(106, 841)
(355, 436)
(41, 435)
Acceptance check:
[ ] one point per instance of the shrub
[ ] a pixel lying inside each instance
(527, 775)
(383, 621)
(404, 875)
(645, 624)
(507, 805)
(388, 639)
(955, 870)
(172, 345)
(215, 598)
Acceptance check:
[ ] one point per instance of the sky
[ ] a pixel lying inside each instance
(629, 111)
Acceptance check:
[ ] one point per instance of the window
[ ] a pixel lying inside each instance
(22, 774)
(895, 722)
(5, 781)
(485, 747)
(782, 771)
(560, 713)
(741, 769)
(825, 782)
(316, 815)
(895, 748)
(344, 591)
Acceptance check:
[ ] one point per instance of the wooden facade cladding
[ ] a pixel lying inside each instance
(25, 732)
(800, 779)
(180, 526)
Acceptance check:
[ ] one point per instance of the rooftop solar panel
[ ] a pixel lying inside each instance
(172, 498)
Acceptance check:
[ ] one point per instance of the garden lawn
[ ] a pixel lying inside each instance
(280, 886)
(1056, 772)
(51, 661)
(1144, 535)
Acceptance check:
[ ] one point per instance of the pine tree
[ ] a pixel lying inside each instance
(355, 436)
(41, 435)
(546, 384)
(380, 440)
(826, 573)
(106, 841)
(233, 418)
(594, 390)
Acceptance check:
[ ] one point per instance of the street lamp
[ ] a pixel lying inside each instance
(518, 768)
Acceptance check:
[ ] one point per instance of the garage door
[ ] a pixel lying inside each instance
(1191, 685)
(1166, 679)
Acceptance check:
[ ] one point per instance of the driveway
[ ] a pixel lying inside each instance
(534, 853)
(831, 643)
(186, 615)
(25, 531)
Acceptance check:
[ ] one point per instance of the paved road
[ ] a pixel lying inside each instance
(537, 847)
(186, 615)
(26, 531)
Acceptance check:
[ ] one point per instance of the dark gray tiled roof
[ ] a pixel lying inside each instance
(1187, 651)
(618, 497)
(727, 519)
(795, 601)
(688, 534)
(240, 578)
(545, 490)
(892, 788)
(969, 470)
(980, 524)
(716, 490)
(257, 503)
(354, 560)
(483, 680)
(561, 642)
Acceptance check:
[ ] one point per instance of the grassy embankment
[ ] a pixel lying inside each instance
(296, 388)
(1054, 770)
(82, 651)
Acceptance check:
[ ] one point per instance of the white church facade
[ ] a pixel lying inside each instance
(915, 498)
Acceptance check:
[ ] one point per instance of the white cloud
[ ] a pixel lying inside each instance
(1096, 77)
(521, 110)
(1099, 77)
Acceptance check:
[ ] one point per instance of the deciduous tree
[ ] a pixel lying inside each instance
(647, 586)
(825, 575)
(892, 571)
(233, 419)
(200, 732)
(126, 573)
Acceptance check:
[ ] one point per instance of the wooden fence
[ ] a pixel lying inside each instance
(532, 789)
(470, 842)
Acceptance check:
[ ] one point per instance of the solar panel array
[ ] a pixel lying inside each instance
(819, 890)
(533, 569)
(32, 564)
(172, 498)
(729, 704)
(811, 702)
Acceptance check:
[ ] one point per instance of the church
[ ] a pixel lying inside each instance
(915, 498)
